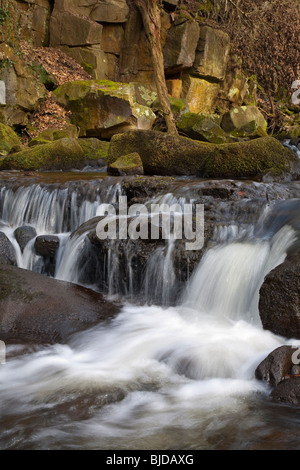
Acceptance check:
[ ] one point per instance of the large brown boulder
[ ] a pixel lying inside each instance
(279, 302)
(37, 309)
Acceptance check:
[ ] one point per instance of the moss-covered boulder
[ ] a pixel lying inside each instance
(179, 106)
(63, 154)
(102, 108)
(9, 141)
(49, 135)
(251, 159)
(162, 153)
(165, 154)
(202, 127)
(243, 121)
(95, 150)
(127, 165)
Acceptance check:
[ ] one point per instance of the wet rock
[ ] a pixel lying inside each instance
(276, 366)
(24, 234)
(279, 299)
(144, 188)
(46, 245)
(37, 309)
(7, 251)
(288, 391)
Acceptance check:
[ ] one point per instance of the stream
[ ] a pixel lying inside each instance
(175, 368)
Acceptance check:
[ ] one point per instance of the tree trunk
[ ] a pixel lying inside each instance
(150, 12)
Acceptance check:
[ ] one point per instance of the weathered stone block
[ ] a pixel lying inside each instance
(200, 94)
(110, 11)
(212, 53)
(112, 38)
(180, 46)
(72, 30)
(243, 117)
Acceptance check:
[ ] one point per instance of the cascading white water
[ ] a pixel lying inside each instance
(227, 282)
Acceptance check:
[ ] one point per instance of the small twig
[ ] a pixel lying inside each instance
(238, 8)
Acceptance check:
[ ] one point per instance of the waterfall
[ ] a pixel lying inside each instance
(227, 281)
(52, 209)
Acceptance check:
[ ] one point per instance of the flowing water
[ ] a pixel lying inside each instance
(158, 376)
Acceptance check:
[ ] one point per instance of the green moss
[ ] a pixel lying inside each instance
(130, 164)
(38, 141)
(9, 141)
(203, 127)
(58, 155)
(94, 149)
(89, 68)
(249, 159)
(163, 154)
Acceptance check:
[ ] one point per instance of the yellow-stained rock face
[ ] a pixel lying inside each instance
(200, 94)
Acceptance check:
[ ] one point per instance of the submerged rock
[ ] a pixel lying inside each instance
(280, 370)
(40, 310)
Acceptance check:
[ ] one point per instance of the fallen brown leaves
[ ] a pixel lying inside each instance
(55, 62)
(49, 115)
(62, 69)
